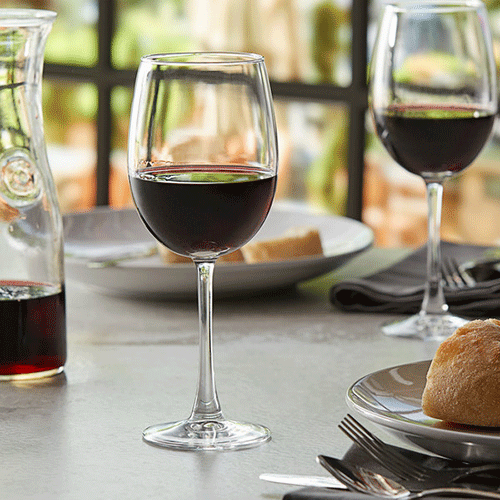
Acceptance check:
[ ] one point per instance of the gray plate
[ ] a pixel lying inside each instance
(391, 398)
(104, 231)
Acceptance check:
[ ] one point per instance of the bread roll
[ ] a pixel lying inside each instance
(463, 381)
(296, 242)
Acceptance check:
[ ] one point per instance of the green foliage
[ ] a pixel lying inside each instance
(65, 105)
(327, 20)
(322, 177)
(75, 47)
(146, 29)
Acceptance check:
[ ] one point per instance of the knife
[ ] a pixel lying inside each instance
(299, 480)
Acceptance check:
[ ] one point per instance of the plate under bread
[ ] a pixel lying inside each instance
(104, 231)
(391, 398)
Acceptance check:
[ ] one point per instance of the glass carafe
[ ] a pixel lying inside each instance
(32, 304)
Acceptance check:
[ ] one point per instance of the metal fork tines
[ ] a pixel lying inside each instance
(394, 462)
(413, 470)
(454, 276)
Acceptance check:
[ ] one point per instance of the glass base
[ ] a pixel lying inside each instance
(194, 435)
(425, 326)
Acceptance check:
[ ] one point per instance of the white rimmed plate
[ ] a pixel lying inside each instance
(391, 398)
(104, 231)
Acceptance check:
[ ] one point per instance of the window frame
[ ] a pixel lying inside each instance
(354, 97)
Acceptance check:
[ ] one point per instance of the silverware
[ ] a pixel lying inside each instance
(482, 269)
(364, 481)
(401, 466)
(454, 275)
(299, 480)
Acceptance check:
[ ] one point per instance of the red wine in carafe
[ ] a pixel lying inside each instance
(32, 329)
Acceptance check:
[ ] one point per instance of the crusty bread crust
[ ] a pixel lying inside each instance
(463, 381)
(295, 243)
(236, 256)
(169, 257)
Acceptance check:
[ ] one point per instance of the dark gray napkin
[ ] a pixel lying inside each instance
(325, 494)
(400, 288)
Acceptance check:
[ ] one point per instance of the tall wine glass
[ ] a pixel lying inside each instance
(202, 165)
(433, 99)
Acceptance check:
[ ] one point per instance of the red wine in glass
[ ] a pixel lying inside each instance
(202, 209)
(430, 141)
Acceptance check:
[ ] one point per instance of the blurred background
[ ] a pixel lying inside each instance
(316, 52)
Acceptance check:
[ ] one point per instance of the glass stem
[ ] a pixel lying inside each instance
(206, 405)
(434, 301)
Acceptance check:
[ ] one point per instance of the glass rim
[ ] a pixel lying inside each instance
(433, 5)
(25, 17)
(203, 58)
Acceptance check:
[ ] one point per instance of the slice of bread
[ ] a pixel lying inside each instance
(236, 256)
(169, 257)
(295, 243)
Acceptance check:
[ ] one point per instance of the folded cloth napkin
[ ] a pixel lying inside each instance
(400, 288)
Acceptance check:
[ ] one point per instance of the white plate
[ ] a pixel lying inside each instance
(391, 398)
(103, 231)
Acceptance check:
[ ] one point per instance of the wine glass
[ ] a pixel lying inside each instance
(202, 164)
(433, 100)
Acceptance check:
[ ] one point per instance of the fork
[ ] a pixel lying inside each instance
(454, 276)
(374, 484)
(401, 466)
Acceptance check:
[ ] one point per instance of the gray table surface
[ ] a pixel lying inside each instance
(284, 360)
